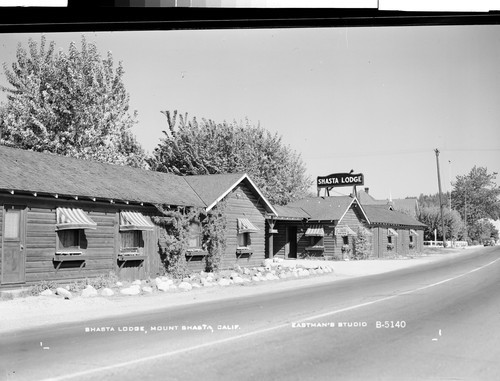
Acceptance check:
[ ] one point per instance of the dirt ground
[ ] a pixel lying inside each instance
(35, 311)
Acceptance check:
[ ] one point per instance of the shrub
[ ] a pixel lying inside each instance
(362, 246)
(41, 286)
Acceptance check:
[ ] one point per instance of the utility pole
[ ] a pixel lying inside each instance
(440, 197)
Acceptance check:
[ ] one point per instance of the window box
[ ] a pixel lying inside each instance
(62, 256)
(124, 257)
(315, 248)
(244, 251)
(196, 253)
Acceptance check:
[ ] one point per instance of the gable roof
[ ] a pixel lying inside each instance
(367, 199)
(409, 205)
(213, 188)
(327, 208)
(28, 171)
(379, 214)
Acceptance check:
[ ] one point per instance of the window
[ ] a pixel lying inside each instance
(12, 224)
(389, 239)
(345, 240)
(194, 236)
(244, 240)
(131, 240)
(316, 241)
(411, 239)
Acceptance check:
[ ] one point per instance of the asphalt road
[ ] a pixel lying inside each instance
(438, 321)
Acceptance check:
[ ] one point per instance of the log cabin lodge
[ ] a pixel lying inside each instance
(63, 219)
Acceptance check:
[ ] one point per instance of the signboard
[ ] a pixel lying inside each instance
(340, 180)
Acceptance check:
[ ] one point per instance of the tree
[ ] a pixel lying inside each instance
(476, 196)
(191, 147)
(483, 230)
(72, 104)
(431, 216)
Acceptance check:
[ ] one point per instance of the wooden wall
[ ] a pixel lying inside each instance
(401, 242)
(101, 246)
(242, 203)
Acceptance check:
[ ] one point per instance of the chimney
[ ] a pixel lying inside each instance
(367, 190)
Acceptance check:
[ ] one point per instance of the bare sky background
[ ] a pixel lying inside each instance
(376, 100)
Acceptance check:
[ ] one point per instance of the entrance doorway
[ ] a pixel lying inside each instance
(13, 253)
(291, 242)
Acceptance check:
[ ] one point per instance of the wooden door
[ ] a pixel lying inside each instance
(292, 242)
(13, 252)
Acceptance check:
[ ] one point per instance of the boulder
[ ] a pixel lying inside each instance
(130, 291)
(267, 262)
(246, 271)
(224, 282)
(136, 282)
(89, 291)
(255, 278)
(283, 275)
(195, 285)
(162, 286)
(238, 280)
(107, 292)
(119, 284)
(147, 289)
(277, 260)
(185, 286)
(47, 293)
(63, 292)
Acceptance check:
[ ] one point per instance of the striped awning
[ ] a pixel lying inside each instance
(245, 226)
(134, 221)
(344, 230)
(393, 232)
(413, 232)
(73, 218)
(315, 231)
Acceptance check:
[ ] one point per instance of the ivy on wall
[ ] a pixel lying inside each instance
(214, 236)
(174, 236)
(362, 245)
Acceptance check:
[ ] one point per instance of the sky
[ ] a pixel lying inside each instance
(376, 100)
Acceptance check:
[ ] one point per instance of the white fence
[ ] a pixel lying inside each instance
(448, 243)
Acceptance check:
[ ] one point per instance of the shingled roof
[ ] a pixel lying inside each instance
(379, 214)
(326, 208)
(23, 171)
(290, 212)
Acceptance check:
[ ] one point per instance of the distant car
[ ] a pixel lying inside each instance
(489, 242)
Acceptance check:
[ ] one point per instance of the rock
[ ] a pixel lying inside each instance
(303, 272)
(203, 274)
(185, 286)
(224, 282)
(319, 271)
(63, 292)
(270, 276)
(47, 293)
(119, 284)
(267, 262)
(89, 291)
(172, 286)
(246, 271)
(238, 269)
(234, 275)
(147, 289)
(277, 260)
(137, 282)
(283, 276)
(312, 271)
(130, 291)
(238, 280)
(208, 284)
(107, 292)
(196, 285)
(255, 278)
(162, 286)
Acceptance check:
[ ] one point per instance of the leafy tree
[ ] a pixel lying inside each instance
(483, 230)
(72, 104)
(476, 196)
(431, 216)
(193, 147)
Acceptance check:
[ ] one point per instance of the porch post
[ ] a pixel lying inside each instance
(270, 239)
